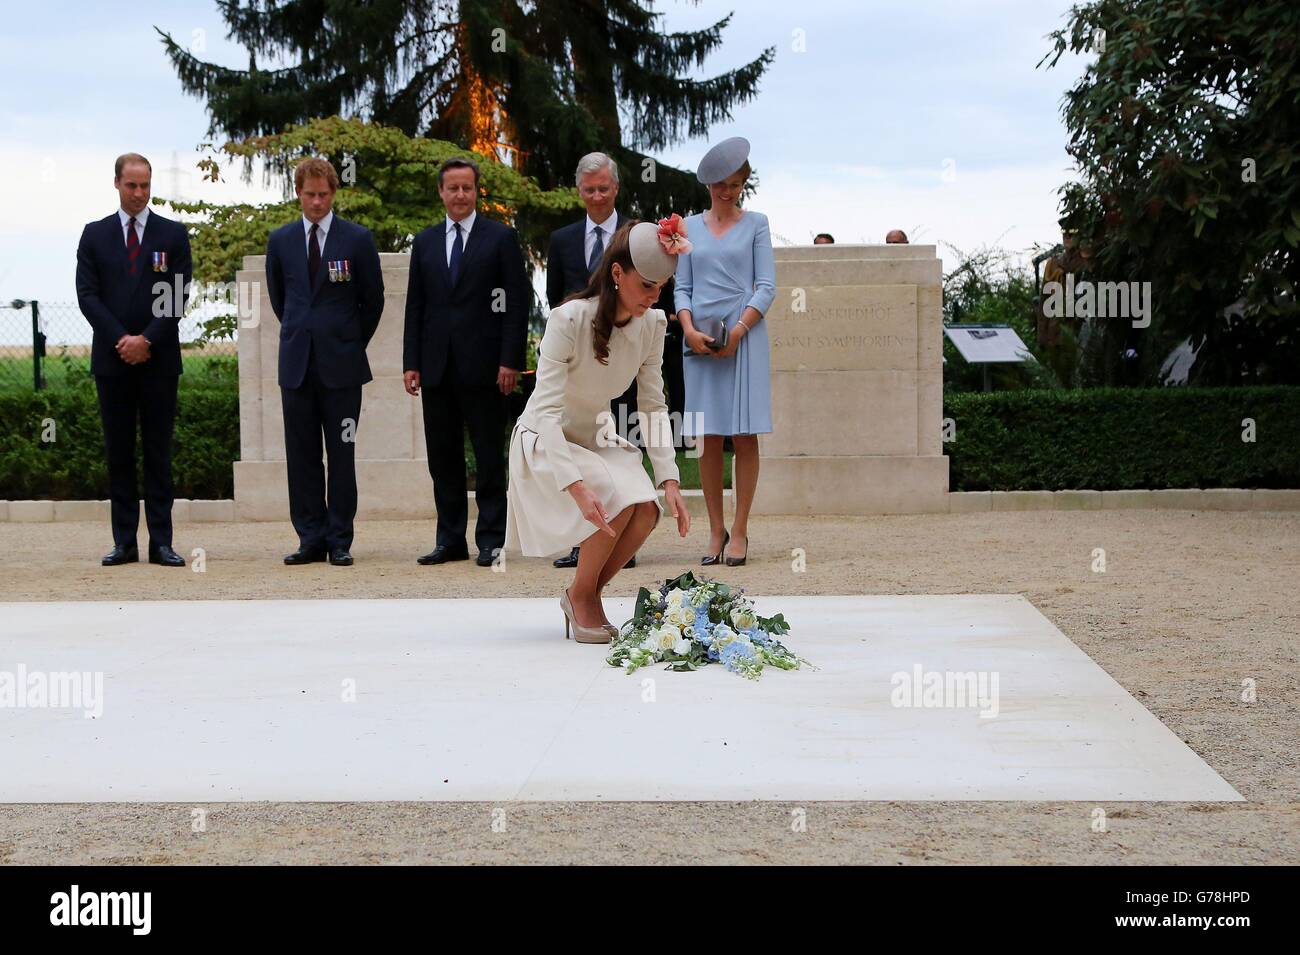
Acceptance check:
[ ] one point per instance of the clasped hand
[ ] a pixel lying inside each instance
(700, 342)
(133, 349)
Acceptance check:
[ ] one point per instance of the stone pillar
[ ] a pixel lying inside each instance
(857, 383)
(392, 475)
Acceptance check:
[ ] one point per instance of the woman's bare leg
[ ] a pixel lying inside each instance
(711, 482)
(644, 517)
(744, 483)
(584, 592)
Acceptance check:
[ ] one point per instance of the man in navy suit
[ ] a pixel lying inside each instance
(327, 289)
(463, 349)
(133, 277)
(572, 257)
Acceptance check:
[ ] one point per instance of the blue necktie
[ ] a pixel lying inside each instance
(457, 248)
(597, 250)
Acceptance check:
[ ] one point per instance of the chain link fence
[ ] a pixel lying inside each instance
(47, 345)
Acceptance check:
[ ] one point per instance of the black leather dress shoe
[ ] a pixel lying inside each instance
(340, 557)
(441, 555)
(164, 555)
(121, 555)
(304, 556)
(485, 558)
(572, 561)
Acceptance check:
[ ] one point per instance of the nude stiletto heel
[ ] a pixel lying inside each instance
(581, 634)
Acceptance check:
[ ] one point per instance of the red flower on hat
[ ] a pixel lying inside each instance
(672, 235)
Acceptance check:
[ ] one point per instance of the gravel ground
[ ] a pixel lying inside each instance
(1190, 604)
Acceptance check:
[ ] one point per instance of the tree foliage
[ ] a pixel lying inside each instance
(538, 82)
(390, 186)
(1186, 130)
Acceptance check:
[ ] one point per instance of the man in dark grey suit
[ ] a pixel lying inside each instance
(463, 349)
(133, 276)
(326, 288)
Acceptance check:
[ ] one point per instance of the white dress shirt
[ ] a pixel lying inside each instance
(608, 227)
(466, 224)
(125, 218)
(321, 232)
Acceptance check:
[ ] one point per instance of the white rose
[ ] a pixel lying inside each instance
(666, 638)
(681, 616)
(683, 647)
(743, 619)
(674, 598)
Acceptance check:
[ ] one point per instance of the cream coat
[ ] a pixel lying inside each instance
(566, 433)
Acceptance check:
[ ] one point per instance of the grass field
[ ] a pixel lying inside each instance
(63, 365)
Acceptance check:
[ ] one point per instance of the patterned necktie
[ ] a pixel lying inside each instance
(313, 252)
(457, 249)
(132, 248)
(597, 250)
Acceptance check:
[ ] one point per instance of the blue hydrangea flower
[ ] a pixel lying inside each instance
(734, 654)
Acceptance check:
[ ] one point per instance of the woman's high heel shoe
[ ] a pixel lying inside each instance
(711, 559)
(582, 634)
(737, 561)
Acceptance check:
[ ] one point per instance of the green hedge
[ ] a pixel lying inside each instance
(1115, 438)
(1103, 439)
(72, 466)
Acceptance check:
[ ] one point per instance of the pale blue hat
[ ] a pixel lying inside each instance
(722, 160)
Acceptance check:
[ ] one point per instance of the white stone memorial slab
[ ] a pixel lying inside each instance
(483, 699)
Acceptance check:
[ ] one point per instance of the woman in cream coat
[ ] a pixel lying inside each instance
(573, 478)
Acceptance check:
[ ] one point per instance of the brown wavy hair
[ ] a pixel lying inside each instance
(601, 287)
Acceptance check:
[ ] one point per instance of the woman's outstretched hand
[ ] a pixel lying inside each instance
(677, 507)
(592, 510)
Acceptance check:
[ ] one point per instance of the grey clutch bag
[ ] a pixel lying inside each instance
(715, 328)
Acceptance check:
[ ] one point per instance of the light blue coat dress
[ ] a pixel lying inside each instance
(719, 277)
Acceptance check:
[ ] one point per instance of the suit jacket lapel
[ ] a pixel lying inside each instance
(439, 253)
(119, 242)
(580, 250)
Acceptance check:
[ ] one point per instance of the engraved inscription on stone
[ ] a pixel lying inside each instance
(844, 328)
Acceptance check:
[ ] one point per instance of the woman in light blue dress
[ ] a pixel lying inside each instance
(730, 274)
